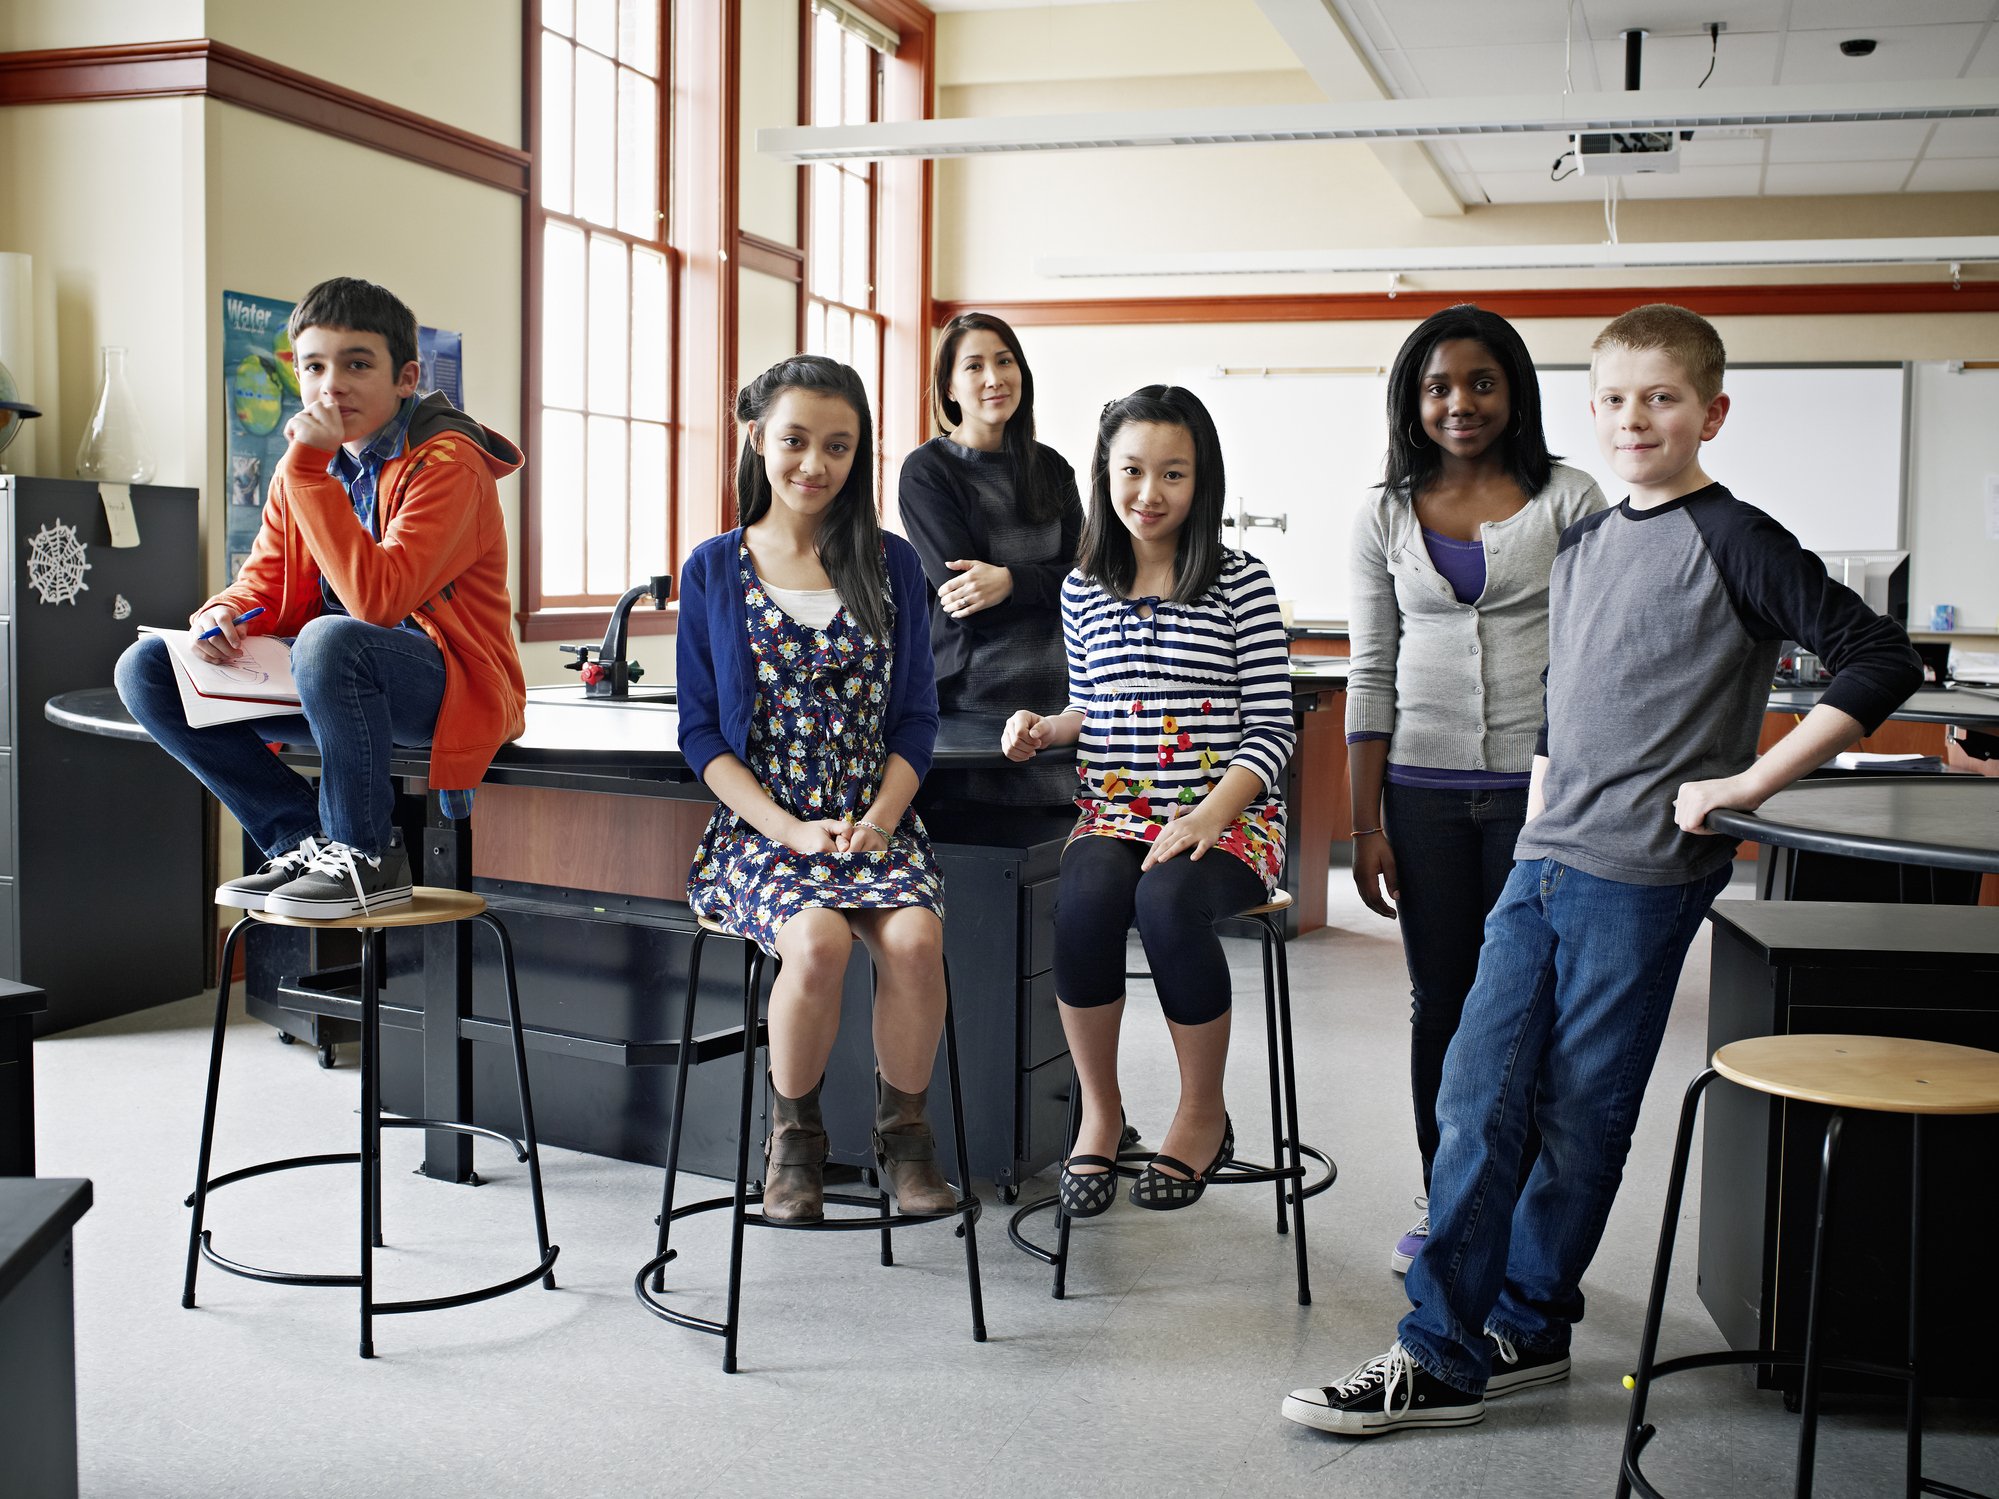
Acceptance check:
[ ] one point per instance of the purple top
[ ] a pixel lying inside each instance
(1461, 562)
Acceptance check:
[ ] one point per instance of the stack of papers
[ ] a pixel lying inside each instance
(1975, 668)
(257, 685)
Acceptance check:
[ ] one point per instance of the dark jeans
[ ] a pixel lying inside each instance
(1176, 904)
(363, 688)
(1574, 987)
(1453, 852)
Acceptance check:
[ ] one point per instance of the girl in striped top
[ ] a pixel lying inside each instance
(1180, 705)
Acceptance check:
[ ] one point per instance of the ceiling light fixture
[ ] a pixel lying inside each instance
(1942, 250)
(1394, 119)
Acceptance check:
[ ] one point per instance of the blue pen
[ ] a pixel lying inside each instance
(246, 614)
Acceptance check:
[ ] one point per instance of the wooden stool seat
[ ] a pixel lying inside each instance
(431, 905)
(1882, 1074)
(1281, 901)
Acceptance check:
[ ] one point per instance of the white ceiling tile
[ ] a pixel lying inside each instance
(1906, 54)
(1510, 153)
(1365, 19)
(1986, 63)
(1741, 60)
(1402, 78)
(1955, 177)
(1695, 182)
(1836, 178)
(1884, 141)
(1956, 139)
(1708, 149)
(1460, 72)
(1606, 18)
(1475, 22)
(1856, 17)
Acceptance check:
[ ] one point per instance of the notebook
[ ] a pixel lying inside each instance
(259, 685)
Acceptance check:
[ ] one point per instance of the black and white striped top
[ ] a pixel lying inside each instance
(1174, 695)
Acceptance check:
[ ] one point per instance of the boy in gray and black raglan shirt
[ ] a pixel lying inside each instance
(1664, 618)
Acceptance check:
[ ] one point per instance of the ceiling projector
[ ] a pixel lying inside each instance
(1626, 153)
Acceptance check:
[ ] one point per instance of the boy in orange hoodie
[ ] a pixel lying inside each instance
(383, 553)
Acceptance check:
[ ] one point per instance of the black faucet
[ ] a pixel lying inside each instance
(611, 675)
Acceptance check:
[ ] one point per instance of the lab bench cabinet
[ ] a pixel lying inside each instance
(104, 895)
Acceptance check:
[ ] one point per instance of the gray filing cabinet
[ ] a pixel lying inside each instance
(80, 815)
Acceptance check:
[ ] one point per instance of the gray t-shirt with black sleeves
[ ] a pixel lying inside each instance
(1663, 630)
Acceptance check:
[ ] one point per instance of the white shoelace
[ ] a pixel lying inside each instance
(1508, 1354)
(336, 859)
(293, 862)
(1392, 1370)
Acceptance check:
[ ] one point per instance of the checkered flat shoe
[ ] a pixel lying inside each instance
(1086, 1194)
(1162, 1193)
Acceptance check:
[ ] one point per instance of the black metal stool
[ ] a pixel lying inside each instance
(755, 1033)
(1884, 1074)
(430, 906)
(1289, 1179)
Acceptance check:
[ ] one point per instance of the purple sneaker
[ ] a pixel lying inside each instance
(1403, 1255)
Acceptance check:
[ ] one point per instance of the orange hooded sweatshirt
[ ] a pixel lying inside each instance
(442, 561)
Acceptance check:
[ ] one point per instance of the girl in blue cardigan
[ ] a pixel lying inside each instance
(807, 705)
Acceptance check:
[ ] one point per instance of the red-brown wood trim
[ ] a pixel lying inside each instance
(205, 67)
(1815, 299)
(707, 42)
(754, 252)
(527, 537)
(138, 70)
(903, 257)
(1804, 298)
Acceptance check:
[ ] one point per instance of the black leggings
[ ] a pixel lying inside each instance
(1177, 904)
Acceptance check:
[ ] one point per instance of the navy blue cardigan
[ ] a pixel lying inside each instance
(717, 676)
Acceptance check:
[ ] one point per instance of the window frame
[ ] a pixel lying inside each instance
(539, 619)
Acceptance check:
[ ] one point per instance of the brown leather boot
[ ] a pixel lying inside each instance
(906, 1152)
(795, 1158)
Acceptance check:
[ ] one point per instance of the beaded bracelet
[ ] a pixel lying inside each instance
(1364, 833)
(879, 832)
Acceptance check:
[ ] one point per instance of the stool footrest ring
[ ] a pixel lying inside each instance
(969, 1209)
(466, 1298)
(264, 1168)
(276, 1277)
(520, 1151)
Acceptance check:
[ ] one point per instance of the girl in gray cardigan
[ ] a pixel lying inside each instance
(1450, 636)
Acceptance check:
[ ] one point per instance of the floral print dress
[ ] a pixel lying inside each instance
(816, 746)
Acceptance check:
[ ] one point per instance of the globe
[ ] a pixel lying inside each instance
(258, 393)
(14, 412)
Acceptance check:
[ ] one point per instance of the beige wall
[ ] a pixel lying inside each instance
(99, 195)
(456, 262)
(458, 61)
(34, 25)
(767, 191)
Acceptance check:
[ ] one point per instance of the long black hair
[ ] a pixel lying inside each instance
(1106, 554)
(1412, 463)
(1037, 488)
(849, 543)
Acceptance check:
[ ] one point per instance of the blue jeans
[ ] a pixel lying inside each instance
(1453, 854)
(1564, 1022)
(363, 689)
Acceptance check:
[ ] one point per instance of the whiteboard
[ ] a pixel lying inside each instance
(1823, 448)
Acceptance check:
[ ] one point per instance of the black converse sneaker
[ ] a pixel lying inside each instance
(248, 891)
(1388, 1393)
(1517, 1368)
(342, 881)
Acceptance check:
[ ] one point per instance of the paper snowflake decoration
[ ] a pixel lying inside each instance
(57, 562)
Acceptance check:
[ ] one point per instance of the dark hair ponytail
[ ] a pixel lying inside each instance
(1106, 554)
(1037, 485)
(849, 543)
(1412, 466)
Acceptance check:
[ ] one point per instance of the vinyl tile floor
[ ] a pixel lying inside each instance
(1161, 1374)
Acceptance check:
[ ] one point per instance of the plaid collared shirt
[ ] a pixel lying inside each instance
(359, 476)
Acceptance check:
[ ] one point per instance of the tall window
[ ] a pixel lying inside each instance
(841, 316)
(603, 473)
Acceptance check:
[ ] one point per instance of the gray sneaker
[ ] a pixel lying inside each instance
(248, 891)
(342, 881)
